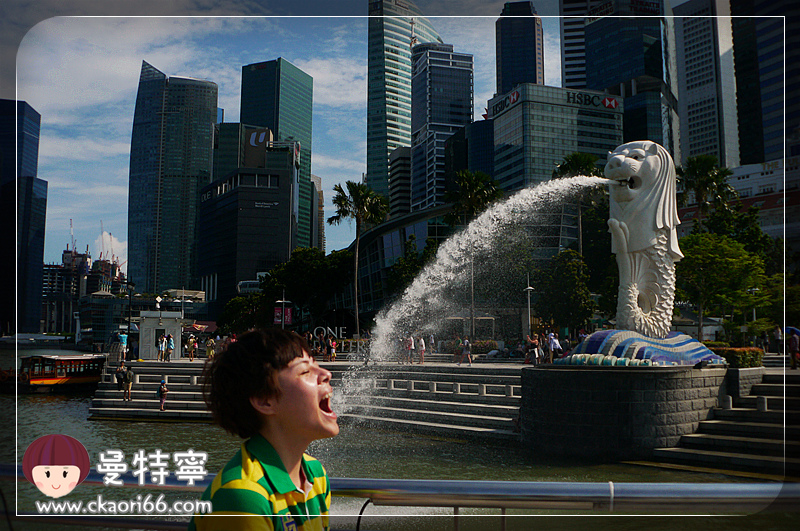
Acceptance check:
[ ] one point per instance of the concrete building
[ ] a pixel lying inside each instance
(706, 81)
(573, 40)
(170, 160)
(248, 221)
(394, 27)
(400, 182)
(441, 104)
(471, 148)
(278, 96)
(319, 224)
(519, 46)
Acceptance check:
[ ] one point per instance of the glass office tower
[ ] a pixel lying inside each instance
(23, 203)
(394, 26)
(519, 46)
(278, 95)
(171, 159)
(441, 104)
(635, 58)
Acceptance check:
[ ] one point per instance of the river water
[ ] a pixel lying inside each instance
(355, 453)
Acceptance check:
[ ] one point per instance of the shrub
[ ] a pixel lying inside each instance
(740, 358)
(481, 346)
(716, 344)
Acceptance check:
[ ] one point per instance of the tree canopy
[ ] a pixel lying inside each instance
(707, 181)
(474, 192)
(563, 296)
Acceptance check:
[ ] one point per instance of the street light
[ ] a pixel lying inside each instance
(752, 291)
(283, 302)
(528, 291)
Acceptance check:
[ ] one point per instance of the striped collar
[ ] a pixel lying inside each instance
(274, 471)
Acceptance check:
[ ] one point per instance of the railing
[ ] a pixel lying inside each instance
(578, 498)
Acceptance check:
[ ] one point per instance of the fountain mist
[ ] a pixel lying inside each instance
(427, 301)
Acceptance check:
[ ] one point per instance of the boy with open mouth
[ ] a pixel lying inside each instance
(267, 389)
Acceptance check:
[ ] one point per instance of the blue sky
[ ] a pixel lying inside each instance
(81, 75)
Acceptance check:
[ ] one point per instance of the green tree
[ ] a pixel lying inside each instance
(309, 279)
(716, 272)
(708, 181)
(243, 313)
(744, 227)
(365, 206)
(573, 165)
(474, 192)
(564, 298)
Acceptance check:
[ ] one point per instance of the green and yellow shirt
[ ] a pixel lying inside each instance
(257, 493)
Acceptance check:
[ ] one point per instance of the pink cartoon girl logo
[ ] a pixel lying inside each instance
(56, 464)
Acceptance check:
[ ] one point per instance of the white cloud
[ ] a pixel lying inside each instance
(109, 247)
(338, 82)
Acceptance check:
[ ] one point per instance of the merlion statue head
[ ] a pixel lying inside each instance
(644, 195)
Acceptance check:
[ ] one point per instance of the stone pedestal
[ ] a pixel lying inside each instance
(614, 412)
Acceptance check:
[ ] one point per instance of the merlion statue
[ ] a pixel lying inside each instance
(642, 223)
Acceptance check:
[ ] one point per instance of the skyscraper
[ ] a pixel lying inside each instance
(707, 88)
(278, 95)
(633, 56)
(394, 26)
(441, 104)
(23, 203)
(519, 40)
(171, 159)
(573, 44)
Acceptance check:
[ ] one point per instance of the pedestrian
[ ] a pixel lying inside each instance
(431, 345)
(191, 343)
(555, 346)
(119, 375)
(128, 379)
(162, 393)
(170, 347)
(778, 339)
(410, 349)
(328, 347)
(794, 348)
(544, 344)
(123, 345)
(466, 350)
(210, 344)
(533, 350)
(161, 344)
(421, 349)
(334, 344)
(285, 404)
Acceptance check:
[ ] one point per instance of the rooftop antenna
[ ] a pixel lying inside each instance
(102, 240)
(413, 40)
(71, 237)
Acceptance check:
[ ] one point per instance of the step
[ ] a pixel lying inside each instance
(753, 415)
(112, 413)
(749, 429)
(140, 403)
(431, 428)
(745, 445)
(447, 406)
(790, 377)
(775, 389)
(778, 403)
(444, 418)
(775, 360)
(767, 463)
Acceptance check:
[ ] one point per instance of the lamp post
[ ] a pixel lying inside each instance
(752, 291)
(528, 291)
(283, 302)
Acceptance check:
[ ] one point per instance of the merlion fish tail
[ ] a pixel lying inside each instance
(647, 289)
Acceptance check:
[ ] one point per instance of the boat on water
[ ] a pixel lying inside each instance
(50, 373)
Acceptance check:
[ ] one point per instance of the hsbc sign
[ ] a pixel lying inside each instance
(505, 103)
(592, 100)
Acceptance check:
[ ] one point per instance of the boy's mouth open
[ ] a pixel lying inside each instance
(325, 405)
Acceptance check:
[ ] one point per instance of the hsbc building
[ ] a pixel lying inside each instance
(536, 126)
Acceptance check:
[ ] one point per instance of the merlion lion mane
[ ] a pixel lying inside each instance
(642, 221)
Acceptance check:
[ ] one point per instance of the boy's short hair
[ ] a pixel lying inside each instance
(248, 368)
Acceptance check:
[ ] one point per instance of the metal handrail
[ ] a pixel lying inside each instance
(671, 498)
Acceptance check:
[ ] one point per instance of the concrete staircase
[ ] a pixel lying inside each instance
(749, 436)
(437, 397)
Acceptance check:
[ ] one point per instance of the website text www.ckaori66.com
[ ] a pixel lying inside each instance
(142, 505)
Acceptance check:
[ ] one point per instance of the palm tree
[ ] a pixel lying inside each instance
(709, 182)
(475, 191)
(573, 165)
(363, 204)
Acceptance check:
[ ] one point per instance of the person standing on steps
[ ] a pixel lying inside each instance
(170, 347)
(794, 349)
(161, 344)
(466, 350)
(119, 376)
(162, 393)
(126, 395)
(421, 348)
